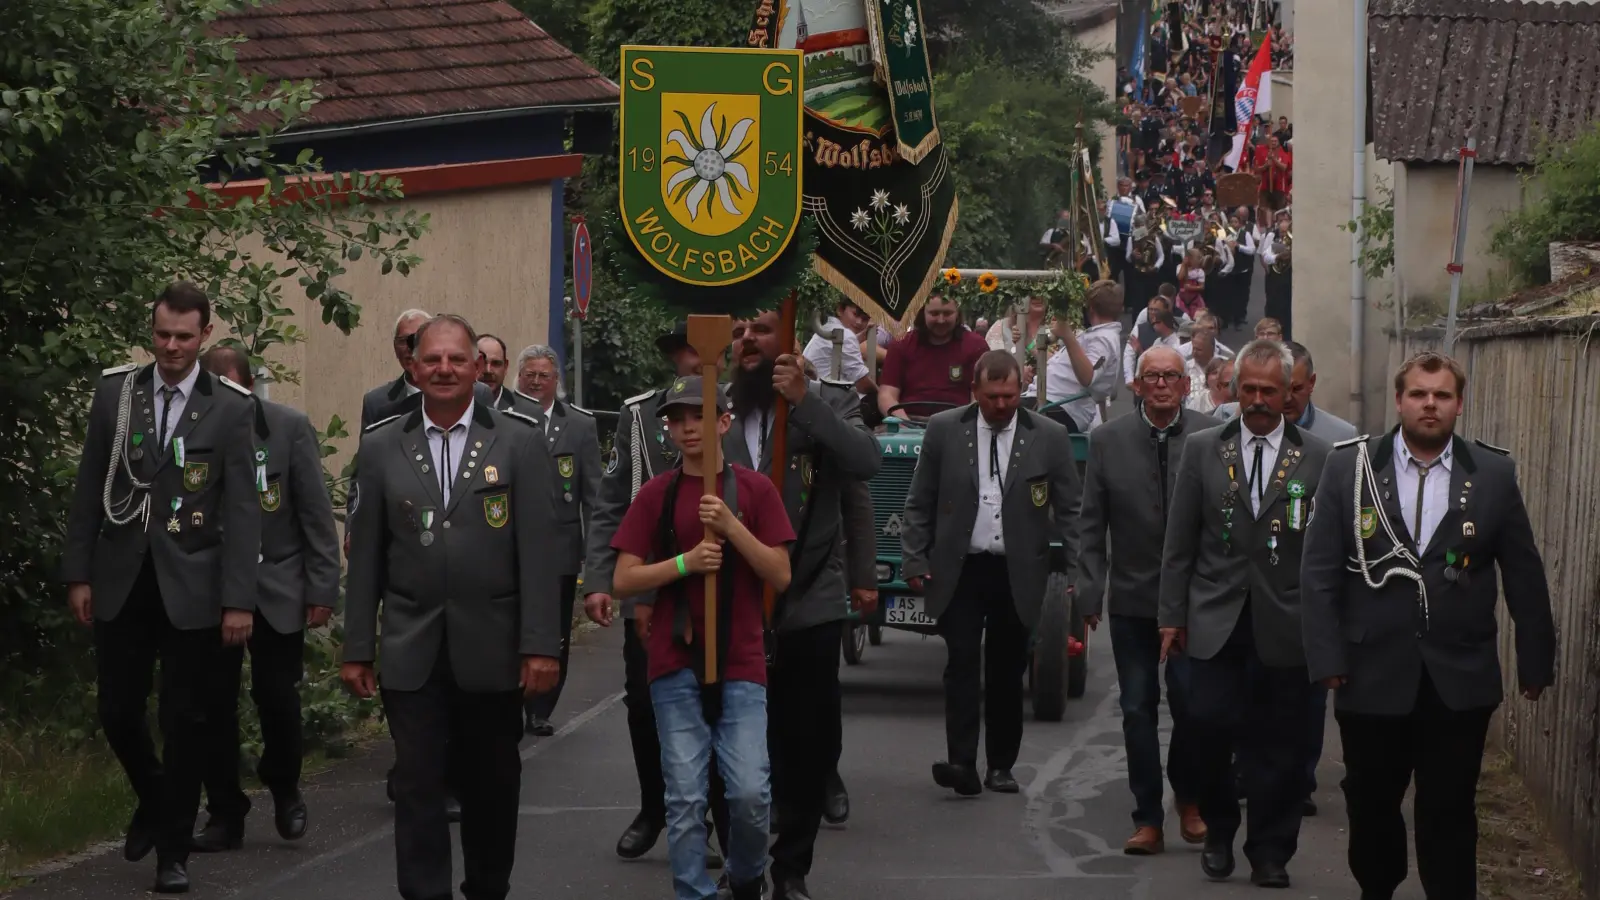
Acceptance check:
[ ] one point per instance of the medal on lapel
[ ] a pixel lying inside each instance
(427, 526)
(1272, 542)
(261, 469)
(173, 525)
(491, 475)
(177, 450)
(1297, 505)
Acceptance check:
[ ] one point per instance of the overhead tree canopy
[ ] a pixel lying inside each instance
(114, 114)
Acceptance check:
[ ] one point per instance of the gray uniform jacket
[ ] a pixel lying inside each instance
(860, 539)
(640, 451)
(1125, 498)
(205, 551)
(1205, 579)
(1371, 636)
(828, 448)
(574, 443)
(299, 543)
(484, 588)
(1040, 501)
(392, 399)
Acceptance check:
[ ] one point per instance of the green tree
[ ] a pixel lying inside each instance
(1010, 132)
(1568, 207)
(115, 115)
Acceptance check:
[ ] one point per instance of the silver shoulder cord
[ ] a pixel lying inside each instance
(123, 511)
(1361, 564)
(641, 456)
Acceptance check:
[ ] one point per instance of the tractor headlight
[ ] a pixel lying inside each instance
(885, 572)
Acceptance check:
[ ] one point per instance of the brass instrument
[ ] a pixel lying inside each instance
(1145, 234)
(1283, 251)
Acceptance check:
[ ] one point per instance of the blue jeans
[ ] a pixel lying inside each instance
(1136, 646)
(687, 740)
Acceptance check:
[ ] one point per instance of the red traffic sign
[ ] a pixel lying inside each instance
(582, 268)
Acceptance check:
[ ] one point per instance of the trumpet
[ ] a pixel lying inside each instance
(1284, 252)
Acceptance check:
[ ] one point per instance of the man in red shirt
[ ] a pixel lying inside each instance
(730, 713)
(933, 364)
(1275, 166)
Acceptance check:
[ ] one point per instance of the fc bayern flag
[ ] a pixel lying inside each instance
(1255, 93)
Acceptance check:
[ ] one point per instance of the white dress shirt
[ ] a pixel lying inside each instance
(1099, 343)
(755, 432)
(988, 535)
(819, 351)
(183, 390)
(1435, 490)
(1248, 441)
(445, 464)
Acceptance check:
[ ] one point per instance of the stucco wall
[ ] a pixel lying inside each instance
(485, 256)
(1425, 198)
(1283, 96)
(1103, 37)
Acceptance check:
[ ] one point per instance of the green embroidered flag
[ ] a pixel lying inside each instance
(882, 197)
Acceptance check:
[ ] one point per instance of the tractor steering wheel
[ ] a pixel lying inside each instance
(941, 405)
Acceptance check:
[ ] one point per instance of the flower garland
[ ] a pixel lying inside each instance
(989, 296)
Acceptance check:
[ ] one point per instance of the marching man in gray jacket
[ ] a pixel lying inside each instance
(1400, 595)
(299, 589)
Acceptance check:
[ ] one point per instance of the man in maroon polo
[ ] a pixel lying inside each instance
(933, 363)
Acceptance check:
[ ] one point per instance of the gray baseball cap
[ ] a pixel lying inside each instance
(685, 391)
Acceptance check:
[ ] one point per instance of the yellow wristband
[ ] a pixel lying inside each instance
(682, 570)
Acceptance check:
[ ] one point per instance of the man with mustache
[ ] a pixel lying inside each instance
(450, 539)
(1229, 600)
(1414, 664)
(828, 450)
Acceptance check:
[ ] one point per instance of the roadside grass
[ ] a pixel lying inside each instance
(56, 798)
(1517, 857)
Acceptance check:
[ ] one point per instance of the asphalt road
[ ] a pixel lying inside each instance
(906, 839)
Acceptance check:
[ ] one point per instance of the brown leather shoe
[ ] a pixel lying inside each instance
(1146, 841)
(1192, 826)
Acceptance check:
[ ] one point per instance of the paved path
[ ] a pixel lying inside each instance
(906, 840)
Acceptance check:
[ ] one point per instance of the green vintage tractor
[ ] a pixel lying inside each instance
(1059, 667)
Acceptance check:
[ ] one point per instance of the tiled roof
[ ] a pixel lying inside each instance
(393, 60)
(1511, 73)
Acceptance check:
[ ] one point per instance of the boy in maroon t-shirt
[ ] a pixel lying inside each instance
(668, 554)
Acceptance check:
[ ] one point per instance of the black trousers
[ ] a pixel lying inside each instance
(1442, 749)
(804, 735)
(543, 706)
(987, 647)
(481, 730)
(126, 651)
(276, 668)
(1236, 700)
(647, 743)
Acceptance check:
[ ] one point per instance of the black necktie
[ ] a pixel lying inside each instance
(1256, 487)
(168, 394)
(994, 454)
(1422, 484)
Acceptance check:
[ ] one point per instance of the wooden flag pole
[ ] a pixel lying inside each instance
(779, 442)
(710, 337)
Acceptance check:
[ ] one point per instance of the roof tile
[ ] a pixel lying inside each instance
(391, 60)
(1512, 73)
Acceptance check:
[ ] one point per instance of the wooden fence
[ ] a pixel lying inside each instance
(1534, 388)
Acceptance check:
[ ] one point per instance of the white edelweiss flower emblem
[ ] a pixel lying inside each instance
(880, 200)
(709, 164)
(902, 214)
(860, 219)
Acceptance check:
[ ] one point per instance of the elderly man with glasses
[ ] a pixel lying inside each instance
(1127, 490)
(574, 443)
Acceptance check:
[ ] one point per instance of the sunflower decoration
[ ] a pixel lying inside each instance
(987, 282)
(952, 276)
